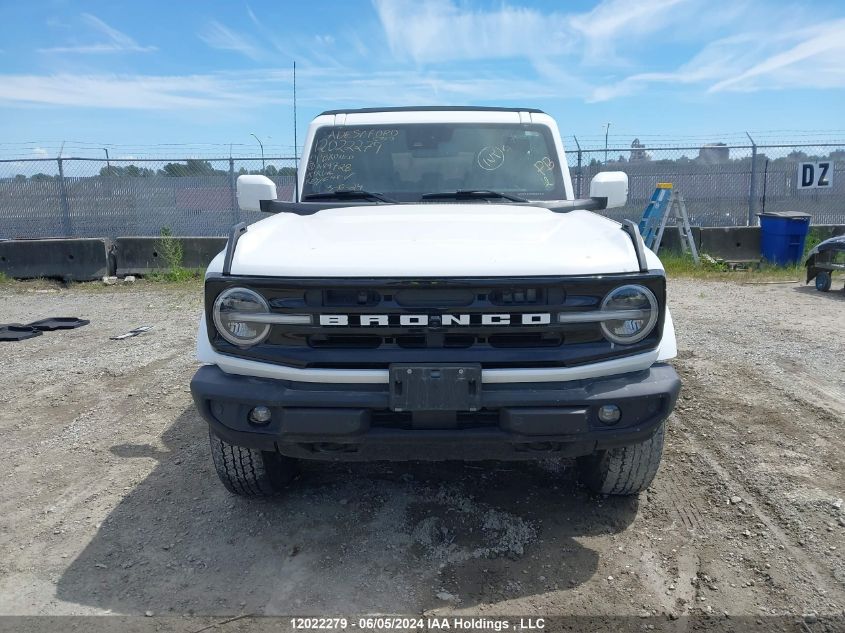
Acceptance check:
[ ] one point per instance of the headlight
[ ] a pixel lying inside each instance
(637, 312)
(231, 312)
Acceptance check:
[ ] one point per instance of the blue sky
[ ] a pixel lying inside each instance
(143, 75)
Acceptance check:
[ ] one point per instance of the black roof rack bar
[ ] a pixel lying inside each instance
(231, 245)
(433, 109)
(634, 233)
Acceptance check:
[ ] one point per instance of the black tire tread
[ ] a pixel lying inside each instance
(624, 470)
(248, 472)
(826, 281)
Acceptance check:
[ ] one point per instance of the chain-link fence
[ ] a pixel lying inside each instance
(75, 197)
(721, 185)
(83, 197)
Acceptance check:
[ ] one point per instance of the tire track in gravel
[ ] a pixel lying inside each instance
(740, 478)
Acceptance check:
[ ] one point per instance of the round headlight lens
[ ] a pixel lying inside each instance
(231, 316)
(638, 311)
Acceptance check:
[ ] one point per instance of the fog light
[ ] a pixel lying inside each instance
(609, 414)
(260, 415)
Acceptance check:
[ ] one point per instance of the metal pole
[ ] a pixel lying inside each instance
(108, 184)
(236, 210)
(765, 184)
(63, 199)
(606, 133)
(295, 143)
(752, 188)
(579, 176)
(261, 145)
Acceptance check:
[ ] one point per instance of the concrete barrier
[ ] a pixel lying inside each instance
(80, 259)
(142, 255)
(671, 239)
(735, 243)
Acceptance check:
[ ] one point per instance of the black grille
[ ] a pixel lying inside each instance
(377, 346)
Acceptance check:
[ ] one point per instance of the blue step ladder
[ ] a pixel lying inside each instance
(667, 204)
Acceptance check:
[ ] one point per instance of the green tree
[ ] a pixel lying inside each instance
(130, 171)
(191, 167)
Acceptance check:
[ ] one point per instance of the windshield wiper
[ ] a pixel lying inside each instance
(471, 194)
(347, 194)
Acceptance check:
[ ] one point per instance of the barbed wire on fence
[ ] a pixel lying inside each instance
(82, 196)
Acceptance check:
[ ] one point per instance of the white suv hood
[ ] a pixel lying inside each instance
(434, 240)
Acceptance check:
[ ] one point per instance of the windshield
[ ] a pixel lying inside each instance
(406, 162)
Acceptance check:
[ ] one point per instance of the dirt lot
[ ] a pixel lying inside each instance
(110, 503)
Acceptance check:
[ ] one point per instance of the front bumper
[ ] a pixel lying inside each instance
(353, 422)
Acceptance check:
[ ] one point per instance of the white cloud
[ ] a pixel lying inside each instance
(815, 60)
(442, 30)
(802, 57)
(222, 37)
(224, 91)
(612, 22)
(115, 41)
(429, 40)
(118, 91)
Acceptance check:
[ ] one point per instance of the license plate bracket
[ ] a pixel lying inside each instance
(435, 387)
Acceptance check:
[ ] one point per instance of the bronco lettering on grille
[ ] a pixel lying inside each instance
(423, 320)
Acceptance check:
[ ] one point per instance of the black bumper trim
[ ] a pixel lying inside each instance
(353, 422)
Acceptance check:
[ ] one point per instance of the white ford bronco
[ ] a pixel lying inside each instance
(434, 291)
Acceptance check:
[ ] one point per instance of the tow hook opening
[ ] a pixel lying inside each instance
(330, 447)
(540, 447)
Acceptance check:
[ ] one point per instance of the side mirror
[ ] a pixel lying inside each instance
(252, 190)
(612, 185)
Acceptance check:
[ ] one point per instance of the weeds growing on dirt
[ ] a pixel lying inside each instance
(678, 265)
(170, 250)
(176, 275)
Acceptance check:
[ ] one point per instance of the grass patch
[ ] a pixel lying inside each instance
(678, 265)
(4, 278)
(176, 275)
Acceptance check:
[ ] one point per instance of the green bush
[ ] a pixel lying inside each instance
(170, 250)
(814, 238)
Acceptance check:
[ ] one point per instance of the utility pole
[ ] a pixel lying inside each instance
(261, 145)
(752, 188)
(606, 133)
(108, 164)
(63, 194)
(579, 175)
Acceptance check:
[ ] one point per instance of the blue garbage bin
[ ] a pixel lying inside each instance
(782, 236)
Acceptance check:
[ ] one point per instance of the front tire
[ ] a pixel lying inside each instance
(248, 472)
(823, 281)
(624, 470)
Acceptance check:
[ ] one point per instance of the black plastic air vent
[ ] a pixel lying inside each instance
(348, 297)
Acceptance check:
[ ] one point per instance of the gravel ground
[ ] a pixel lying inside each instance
(111, 505)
